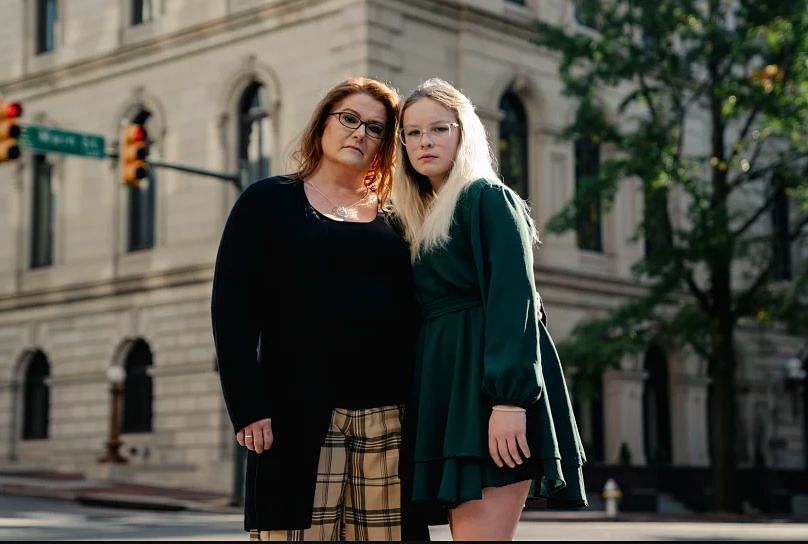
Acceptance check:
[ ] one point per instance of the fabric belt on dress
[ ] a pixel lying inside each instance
(448, 305)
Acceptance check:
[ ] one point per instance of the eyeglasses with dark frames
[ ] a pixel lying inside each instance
(352, 121)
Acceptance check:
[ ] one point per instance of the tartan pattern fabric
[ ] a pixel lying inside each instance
(358, 493)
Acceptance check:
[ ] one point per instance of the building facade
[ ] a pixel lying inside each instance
(95, 274)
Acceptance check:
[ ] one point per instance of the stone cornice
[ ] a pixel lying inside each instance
(165, 47)
(565, 278)
(82, 292)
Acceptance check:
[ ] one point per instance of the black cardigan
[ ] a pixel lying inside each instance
(266, 280)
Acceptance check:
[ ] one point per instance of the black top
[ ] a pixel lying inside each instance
(366, 304)
(273, 310)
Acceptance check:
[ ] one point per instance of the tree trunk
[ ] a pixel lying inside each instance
(722, 350)
(723, 415)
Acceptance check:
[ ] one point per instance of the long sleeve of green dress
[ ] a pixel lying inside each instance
(481, 344)
(502, 241)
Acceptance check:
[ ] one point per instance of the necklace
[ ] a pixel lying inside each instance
(339, 211)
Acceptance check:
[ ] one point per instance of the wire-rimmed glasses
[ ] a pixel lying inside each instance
(412, 135)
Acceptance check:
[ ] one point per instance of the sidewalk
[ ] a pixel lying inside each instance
(75, 487)
(118, 494)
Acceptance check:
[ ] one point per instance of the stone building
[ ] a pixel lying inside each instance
(95, 274)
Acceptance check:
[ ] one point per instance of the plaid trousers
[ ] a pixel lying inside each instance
(358, 493)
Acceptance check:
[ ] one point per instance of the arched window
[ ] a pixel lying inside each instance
(142, 200)
(137, 390)
(513, 143)
(781, 239)
(587, 164)
(36, 401)
(656, 408)
(805, 411)
(255, 134)
(586, 12)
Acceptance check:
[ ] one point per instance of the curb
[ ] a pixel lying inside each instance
(99, 494)
(132, 502)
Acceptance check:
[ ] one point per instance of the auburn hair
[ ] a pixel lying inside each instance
(379, 177)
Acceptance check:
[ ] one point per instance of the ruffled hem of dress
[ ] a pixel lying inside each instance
(455, 480)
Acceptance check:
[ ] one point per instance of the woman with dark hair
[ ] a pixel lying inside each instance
(312, 305)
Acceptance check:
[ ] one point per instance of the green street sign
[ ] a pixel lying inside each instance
(52, 140)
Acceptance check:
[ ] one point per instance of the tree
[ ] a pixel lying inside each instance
(717, 258)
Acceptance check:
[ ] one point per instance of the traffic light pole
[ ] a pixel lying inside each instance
(239, 180)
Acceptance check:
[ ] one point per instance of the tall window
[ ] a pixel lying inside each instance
(45, 25)
(137, 390)
(43, 213)
(142, 204)
(142, 11)
(781, 244)
(513, 143)
(255, 134)
(658, 231)
(805, 412)
(656, 408)
(589, 415)
(587, 164)
(36, 401)
(585, 12)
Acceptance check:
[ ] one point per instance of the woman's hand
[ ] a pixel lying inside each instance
(539, 304)
(506, 437)
(256, 436)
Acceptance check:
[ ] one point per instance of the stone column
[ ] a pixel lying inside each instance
(622, 407)
(13, 401)
(689, 420)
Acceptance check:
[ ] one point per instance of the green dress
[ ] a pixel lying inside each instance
(480, 344)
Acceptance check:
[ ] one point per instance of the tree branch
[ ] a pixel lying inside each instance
(747, 126)
(755, 216)
(745, 299)
(754, 174)
(797, 232)
(701, 296)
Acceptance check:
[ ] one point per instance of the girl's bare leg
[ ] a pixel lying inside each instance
(494, 517)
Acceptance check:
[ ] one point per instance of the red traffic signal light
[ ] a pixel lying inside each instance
(13, 110)
(9, 130)
(133, 155)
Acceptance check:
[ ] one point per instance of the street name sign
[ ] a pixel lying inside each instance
(52, 140)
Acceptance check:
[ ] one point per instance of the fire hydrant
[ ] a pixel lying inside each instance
(611, 494)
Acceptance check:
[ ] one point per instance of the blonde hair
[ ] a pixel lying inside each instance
(425, 215)
(379, 177)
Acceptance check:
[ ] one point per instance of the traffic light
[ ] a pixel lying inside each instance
(134, 152)
(9, 130)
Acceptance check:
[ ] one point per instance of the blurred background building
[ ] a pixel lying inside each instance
(96, 274)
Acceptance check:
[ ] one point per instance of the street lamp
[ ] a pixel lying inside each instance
(794, 371)
(115, 375)
(795, 375)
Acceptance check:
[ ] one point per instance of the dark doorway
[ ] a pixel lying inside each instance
(137, 390)
(36, 403)
(656, 408)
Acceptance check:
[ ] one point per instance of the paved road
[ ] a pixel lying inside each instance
(24, 518)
